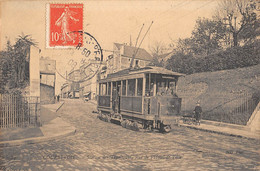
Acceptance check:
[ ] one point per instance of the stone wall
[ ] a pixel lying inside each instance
(47, 94)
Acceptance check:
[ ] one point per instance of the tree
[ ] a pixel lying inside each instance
(251, 31)
(207, 36)
(184, 46)
(157, 48)
(238, 15)
(22, 55)
(180, 62)
(14, 66)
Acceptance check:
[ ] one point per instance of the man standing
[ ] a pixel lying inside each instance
(198, 112)
(58, 98)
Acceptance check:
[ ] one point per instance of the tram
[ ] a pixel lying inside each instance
(140, 98)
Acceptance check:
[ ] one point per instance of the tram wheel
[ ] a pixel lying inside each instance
(167, 128)
(164, 128)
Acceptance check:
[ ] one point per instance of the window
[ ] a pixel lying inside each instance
(166, 87)
(161, 87)
(131, 87)
(172, 84)
(124, 88)
(109, 88)
(100, 89)
(139, 87)
(103, 89)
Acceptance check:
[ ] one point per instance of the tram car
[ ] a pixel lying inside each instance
(140, 98)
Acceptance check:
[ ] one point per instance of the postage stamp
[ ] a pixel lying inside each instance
(63, 21)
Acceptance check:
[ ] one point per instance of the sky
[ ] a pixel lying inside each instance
(108, 21)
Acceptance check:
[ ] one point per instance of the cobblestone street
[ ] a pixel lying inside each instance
(98, 145)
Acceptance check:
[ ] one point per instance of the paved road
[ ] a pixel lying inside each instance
(98, 145)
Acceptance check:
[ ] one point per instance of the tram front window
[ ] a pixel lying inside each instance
(103, 89)
(172, 88)
(165, 87)
(109, 88)
(139, 87)
(124, 88)
(131, 87)
(161, 88)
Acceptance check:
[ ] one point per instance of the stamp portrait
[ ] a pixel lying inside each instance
(62, 22)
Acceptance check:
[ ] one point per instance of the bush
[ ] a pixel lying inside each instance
(231, 58)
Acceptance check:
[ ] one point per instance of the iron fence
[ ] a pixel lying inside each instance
(231, 107)
(19, 111)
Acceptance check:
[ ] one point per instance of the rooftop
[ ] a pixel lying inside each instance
(147, 69)
(129, 51)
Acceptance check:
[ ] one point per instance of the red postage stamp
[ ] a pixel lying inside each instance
(64, 23)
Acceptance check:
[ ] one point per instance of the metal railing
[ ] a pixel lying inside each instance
(230, 107)
(19, 111)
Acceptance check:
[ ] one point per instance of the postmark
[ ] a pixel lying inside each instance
(86, 60)
(63, 21)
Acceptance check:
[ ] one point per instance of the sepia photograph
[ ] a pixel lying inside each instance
(122, 85)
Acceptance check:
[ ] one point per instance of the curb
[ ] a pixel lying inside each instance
(218, 132)
(60, 106)
(35, 139)
(223, 124)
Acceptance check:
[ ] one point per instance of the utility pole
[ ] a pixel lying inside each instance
(130, 41)
(131, 65)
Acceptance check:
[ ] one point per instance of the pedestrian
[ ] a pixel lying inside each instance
(58, 98)
(198, 112)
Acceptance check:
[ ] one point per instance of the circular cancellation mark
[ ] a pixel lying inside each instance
(87, 61)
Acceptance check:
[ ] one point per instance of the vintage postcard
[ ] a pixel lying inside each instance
(129, 85)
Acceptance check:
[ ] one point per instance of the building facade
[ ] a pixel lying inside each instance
(65, 90)
(47, 80)
(122, 57)
(88, 84)
(73, 83)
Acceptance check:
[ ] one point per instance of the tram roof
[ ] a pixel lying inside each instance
(147, 69)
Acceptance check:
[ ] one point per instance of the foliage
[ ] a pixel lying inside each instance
(157, 48)
(14, 67)
(156, 61)
(209, 47)
(207, 36)
(231, 58)
(180, 62)
(240, 17)
(184, 46)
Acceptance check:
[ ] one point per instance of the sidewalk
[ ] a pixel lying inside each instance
(50, 121)
(224, 128)
(54, 107)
